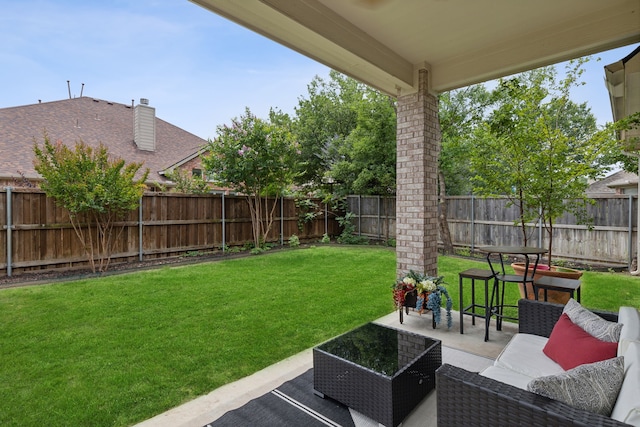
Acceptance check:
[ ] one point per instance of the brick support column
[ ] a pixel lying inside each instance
(418, 147)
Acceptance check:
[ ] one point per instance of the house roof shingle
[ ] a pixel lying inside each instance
(607, 185)
(92, 121)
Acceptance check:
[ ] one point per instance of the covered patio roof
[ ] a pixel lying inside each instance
(460, 42)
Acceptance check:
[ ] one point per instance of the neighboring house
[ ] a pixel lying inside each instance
(621, 182)
(133, 133)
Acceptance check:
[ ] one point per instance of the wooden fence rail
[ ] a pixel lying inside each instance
(35, 234)
(475, 221)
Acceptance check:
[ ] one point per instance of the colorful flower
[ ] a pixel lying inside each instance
(428, 290)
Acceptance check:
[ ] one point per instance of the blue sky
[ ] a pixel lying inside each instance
(197, 69)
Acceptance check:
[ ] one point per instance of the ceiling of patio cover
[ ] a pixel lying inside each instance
(384, 42)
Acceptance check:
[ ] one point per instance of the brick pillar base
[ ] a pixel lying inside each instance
(418, 147)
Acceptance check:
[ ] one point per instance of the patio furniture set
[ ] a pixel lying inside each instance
(384, 373)
(499, 395)
(494, 304)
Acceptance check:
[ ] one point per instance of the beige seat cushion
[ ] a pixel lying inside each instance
(507, 376)
(523, 354)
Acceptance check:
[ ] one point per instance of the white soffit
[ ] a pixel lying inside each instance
(384, 42)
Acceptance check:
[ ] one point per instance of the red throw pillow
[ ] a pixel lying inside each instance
(570, 346)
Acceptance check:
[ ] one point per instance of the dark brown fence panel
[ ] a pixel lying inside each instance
(172, 224)
(323, 221)
(180, 223)
(289, 221)
(237, 221)
(42, 233)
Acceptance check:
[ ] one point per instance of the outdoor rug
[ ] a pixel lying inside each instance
(295, 404)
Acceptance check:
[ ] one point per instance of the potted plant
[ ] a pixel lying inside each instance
(422, 292)
(539, 148)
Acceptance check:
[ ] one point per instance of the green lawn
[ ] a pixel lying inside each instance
(117, 350)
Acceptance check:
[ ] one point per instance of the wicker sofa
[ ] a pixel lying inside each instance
(468, 398)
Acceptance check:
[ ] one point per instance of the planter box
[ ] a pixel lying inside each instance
(553, 296)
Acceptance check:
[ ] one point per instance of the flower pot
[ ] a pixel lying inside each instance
(544, 270)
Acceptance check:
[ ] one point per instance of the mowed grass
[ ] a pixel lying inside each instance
(117, 350)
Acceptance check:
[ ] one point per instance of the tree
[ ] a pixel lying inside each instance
(626, 155)
(367, 163)
(256, 158)
(185, 183)
(98, 191)
(460, 113)
(539, 148)
(323, 121)
(347, 137)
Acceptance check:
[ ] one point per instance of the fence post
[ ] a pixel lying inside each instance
(326, 219)
(473, 224)
(359, 215)
(379, 219)
(281, 221)
(140, 242)
(383, 218)
(224, 227)
(9, 233)
(630, 210)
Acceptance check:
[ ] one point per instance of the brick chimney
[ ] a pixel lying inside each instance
(144, 126)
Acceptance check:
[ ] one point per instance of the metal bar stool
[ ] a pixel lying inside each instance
(470, 310)
(501, 276)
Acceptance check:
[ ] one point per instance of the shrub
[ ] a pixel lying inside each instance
(294, 241)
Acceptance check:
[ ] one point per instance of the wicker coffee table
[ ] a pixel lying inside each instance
(381, 372)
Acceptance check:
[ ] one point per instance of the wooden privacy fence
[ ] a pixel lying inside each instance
(36, 234)
(475, 221)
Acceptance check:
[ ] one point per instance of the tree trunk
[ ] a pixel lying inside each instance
(445, 235)
(549, 254)
(523, 225)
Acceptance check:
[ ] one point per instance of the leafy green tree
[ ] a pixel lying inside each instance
(345, 130)
(368, 156)
(323, 121)
(185, 183)
(97, 190)
(256, 158)
(539, 148)
(626, 154)
(460, 113)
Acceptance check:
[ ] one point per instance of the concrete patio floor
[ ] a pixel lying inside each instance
(210, 407)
